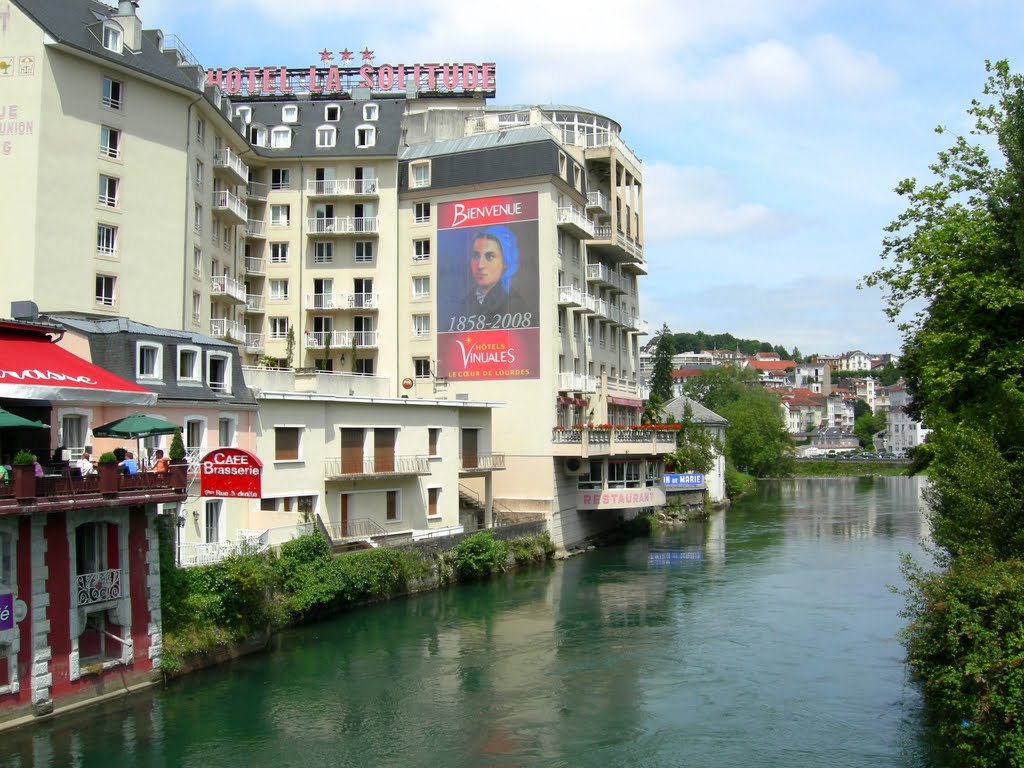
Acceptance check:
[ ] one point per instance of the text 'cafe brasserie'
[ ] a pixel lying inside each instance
(230, 473)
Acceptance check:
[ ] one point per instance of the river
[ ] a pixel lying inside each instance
(764, 636)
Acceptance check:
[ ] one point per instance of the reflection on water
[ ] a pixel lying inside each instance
(774, 647)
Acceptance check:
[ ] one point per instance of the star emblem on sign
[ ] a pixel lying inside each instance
(346, 55)
(326, 55)
(367, 54)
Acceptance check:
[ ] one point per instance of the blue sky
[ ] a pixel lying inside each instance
(772, 132)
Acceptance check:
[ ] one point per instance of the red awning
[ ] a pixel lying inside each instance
(626, 401)
(37, 369)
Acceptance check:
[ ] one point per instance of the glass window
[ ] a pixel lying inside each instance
(280, 215)
(108, 191)
(289, 113)
(279, 253)
(391, 514)
(419, 174)
(420, 325)
(106, 240)
(421, 287)
(370, 112)
(421, 249)
(363, 251)
(106, 286)
(326, 136)
(286, 443)
(218, 372)
(188, 364)
(148, 361)
(112, 93)
(110, 142)
(280, 178)
(244, 114)
(422, 213)
(433, 494)
(366, 136)
(200, 130)
(278, 290)
(278, 327)
(332, 113)
(421, 370)
(112, 37)
(280, 138)
(323, 252)
(212, 520)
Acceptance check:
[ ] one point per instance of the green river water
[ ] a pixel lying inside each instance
(764, 636)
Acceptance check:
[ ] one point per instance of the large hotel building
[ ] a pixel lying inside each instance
(380, 220)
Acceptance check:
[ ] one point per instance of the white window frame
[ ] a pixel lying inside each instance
(108, 97)
(197, 306)
(323, 252)
(326, 136)
(197, 218)
(103, 196)
(300, 428)
(200, 130)
(244, 114)
(363, 258)
(212, 355)
(419, 174)
(421, 326)
(272, 332)
(421, 213)
(276, 219)
(157, 372)
(421, 367)
(290, 113)
(232, 420)
(421, 287)
(284, 178)
(280, 137)
(274, 290)
(106, 240)
(421, 249)
(104, 300)
(330, 109)
(258, 135)
(365, 136)
(110, 142)
(371, 112)
(438, 515)
(195, 376)
(279, 253)
(112, 37)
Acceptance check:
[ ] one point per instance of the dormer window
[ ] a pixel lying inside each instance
(112, 37)
(366, 136)
(332, 113)
(244, 113)
(258, 135)
(370, 112)
(280, 138)
(290, 113)
(326, 136)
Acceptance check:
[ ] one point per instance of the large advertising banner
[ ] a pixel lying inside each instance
(488, 289)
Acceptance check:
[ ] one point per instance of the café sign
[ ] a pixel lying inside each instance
(230, 473)
(620, 498)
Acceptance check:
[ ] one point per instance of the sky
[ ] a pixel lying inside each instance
(772, 132)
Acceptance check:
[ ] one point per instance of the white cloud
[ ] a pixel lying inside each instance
(850, 70)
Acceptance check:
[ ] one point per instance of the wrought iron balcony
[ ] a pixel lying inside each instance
(98, 587)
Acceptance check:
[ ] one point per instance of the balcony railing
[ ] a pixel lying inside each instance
(230, 206)
(66, 490)
(576, 382)
(345, 225)
(597, 201)
(340, 339)
(256, 190)
(227, 160)
(222, 285)
(254, 342)
(319, 301)
(254, 265)
(373, 465)
(576, 220)
(255, 228)
(254, 303)
(341, 187)
(627, 244)
(661, 439)
(98, 587)
(360, 528)
(601, 273)
(482, 461)
(223, 328)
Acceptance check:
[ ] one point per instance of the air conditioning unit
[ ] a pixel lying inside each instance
(577, 466)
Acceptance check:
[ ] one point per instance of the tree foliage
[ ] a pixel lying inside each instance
(661, 377)
(696, 448)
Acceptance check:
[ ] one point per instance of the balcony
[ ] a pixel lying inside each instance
(227, 287)
(602, 143)
(98, 587)
(370, 466)
(317, 302)
(255, 229)
(597, 201)
(481, 462)
(341, 339)
(254, 342)
(255, 265)
(254, 303)
(256, 191)
(321, 382)
(575, 222)
(569, 296)
(604, 276)
(576, 382)
(229, 208)
(230, 165)
(614, 441)
(620, 247)
(345, 225)
(67, 492)
(222, 328)
(341, 188)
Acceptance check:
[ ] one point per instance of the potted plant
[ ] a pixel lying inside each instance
(23, 475)
(108, 472)
(179, 467)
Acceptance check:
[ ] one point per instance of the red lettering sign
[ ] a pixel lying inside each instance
(230, 473)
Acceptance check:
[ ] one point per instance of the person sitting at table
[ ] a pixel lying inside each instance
(129, 466)
(36, 466)
(161, 465)
(84, 464)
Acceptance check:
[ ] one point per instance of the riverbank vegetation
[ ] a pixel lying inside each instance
(209, 608)
(955, 258)
(848, 468)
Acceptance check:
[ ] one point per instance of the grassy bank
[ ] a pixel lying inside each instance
(847, 468)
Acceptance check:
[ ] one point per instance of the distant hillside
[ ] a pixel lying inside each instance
(700, 341)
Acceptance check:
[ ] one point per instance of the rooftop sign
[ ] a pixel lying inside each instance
(477, 79)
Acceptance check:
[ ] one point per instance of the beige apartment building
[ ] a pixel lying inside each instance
(337, 218)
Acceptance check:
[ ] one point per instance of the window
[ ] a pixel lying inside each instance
(188, 364)
(108, 191)
(366, 136)
(422, 213)
(421, 249)
(258, 135)
(112, 37)
(244, 114)
(421, 367)
(421, 287)
(332, 113)
(72, 436)
(280, 215)
(432, 496)
(91, 548)
(280, 138)
(279, 253)
(364, 366)
(278, 290)
(419, 174)
(392, 515)
(194, 436)
(112, 93)
(289, 113)
(218, 372)
(561, 164)
(200, 130)
(106, 286)
(148, 361)
(370, 112)
(197, 218)
(323, 252)
(197, 306)
(286, 443)
(420, 325)
(106, 240)
(577, 176)
(278, 327)
(212, 520)
(280, 178)
(363, 251)
(110, 142)
(326, 136)
(225, 431)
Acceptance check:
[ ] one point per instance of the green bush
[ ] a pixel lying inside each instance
(737, 483)
(480, 555)
(22, 457)
(531, 549)
(965, 640)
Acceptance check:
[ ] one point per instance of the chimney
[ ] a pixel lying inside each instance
(130, 23)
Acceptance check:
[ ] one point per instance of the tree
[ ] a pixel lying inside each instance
(715, 388)
(867, 425)
(696, 449)
(661, 378)
(756, 439)
(176, 451)
(956, 258)
(290, 345)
